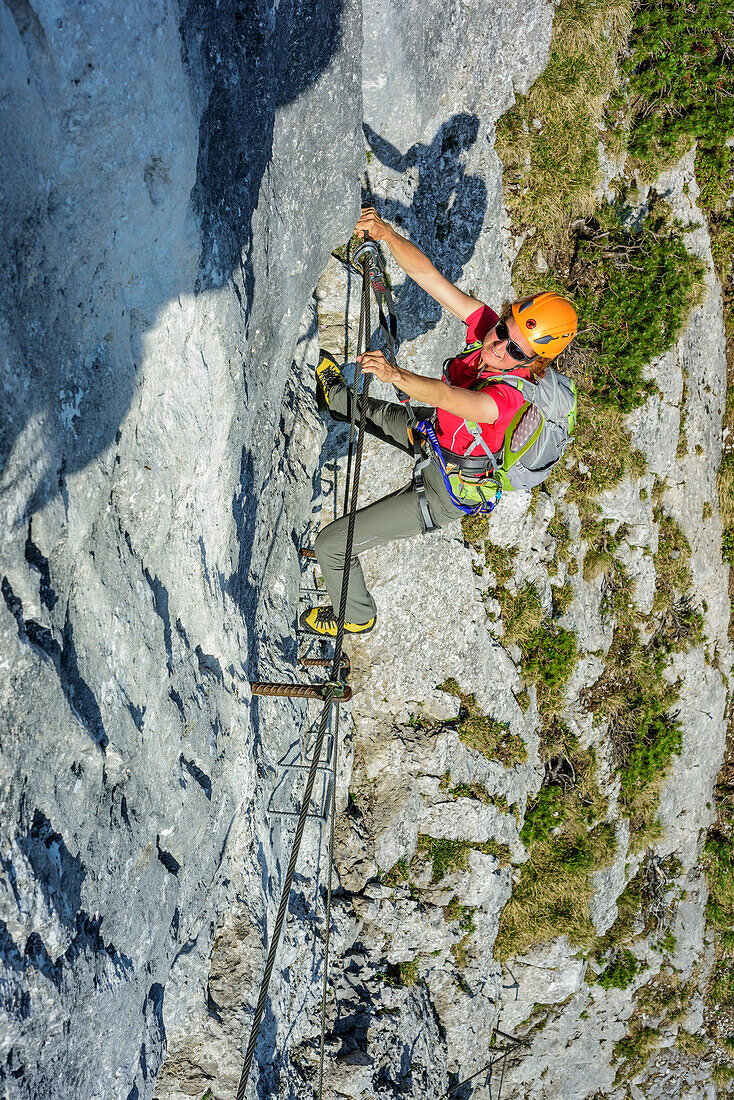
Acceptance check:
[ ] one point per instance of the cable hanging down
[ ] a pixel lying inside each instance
(361, 390)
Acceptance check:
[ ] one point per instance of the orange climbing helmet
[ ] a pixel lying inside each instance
(547, 321)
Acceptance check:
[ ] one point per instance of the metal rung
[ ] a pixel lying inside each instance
(300, 691)
(321, 799)
(301, 758)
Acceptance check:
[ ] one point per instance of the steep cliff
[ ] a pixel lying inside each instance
(171, 189)
(173, 182)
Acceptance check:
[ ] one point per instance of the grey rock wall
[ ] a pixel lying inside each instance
(173, 179)
(170, 191)
(439, 620)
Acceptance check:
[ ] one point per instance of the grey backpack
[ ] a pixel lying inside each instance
(538, 433)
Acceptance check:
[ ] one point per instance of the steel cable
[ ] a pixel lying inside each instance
(364, 337)
(329, 876)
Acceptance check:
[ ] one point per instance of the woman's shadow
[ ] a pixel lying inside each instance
(445, 216)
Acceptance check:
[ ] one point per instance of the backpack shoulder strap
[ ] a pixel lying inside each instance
(524, 385)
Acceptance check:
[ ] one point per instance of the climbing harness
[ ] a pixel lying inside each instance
(331, 701)
(463, 487)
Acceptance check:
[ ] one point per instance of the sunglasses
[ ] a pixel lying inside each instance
(512, 348)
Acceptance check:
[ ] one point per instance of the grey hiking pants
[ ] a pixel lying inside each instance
(396, 516)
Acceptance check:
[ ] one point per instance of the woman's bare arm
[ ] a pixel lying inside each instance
(468, 404)
(417, 265)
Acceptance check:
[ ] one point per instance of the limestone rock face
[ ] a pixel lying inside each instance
(170, 190)
(173, 180)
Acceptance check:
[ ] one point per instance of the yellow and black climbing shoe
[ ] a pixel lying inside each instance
(327, 374)
(322, 621)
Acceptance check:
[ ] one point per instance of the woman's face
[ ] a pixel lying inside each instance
(494, 351)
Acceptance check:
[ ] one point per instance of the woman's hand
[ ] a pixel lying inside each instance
(371, 223)
(374, 362)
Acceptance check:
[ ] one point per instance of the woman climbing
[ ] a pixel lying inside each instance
(470, 416)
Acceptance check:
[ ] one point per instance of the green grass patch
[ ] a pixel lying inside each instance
(475, 529)
(643, 730)
(549, 652)
(722, 1074)
(548, 141)
(634, 1050)
(464, 914)
(692, 1045)
(726, 506)
(484, 734)
(500, 560)
(398, 874)
(476, 791)
(553, 889)
(718, 862)
(447, 856)
(558, 530)
(722, 983)
(562, 599)
(409, 972)
(602, 545)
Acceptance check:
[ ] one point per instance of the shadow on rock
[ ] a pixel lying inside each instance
(445, 216)
(96, 235)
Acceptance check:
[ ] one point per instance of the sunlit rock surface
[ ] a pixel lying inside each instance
(172, 182)
(171, 190)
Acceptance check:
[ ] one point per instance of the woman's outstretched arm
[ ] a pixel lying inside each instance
(417, 265)
(468, 404)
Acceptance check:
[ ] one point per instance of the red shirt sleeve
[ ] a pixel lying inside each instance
(479, 323)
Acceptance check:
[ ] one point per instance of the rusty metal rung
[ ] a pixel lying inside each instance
(297, 691)
(326, 662)
(306, 553)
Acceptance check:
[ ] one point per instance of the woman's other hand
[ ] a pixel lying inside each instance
(371, 223)
(374, 362)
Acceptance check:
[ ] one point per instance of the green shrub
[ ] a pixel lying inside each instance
(634, 290)
(550, 656)
(620, 971)
(680, 76)
(546, 812)
(658, 737)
